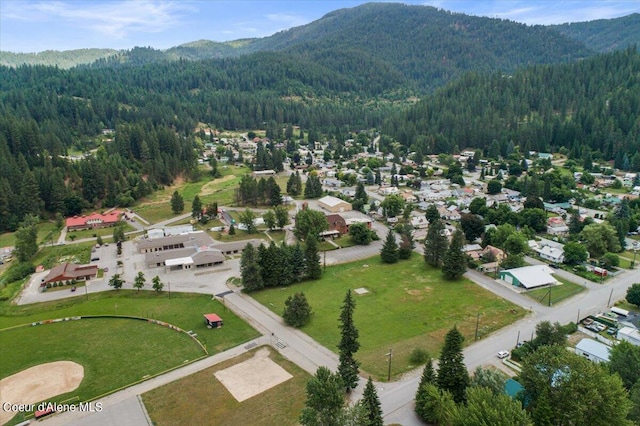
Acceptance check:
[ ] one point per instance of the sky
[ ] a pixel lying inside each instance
(37, 25)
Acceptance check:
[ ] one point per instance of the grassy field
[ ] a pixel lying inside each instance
(46, 231)
(408, 306)
(181, 309)
(202, 399)
(113, 352)
(558, 293)
(103, 232)
(156, 207)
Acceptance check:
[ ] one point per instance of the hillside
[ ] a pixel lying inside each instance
(584, 108)
(61, 59)
(426, 45)
(604, 35)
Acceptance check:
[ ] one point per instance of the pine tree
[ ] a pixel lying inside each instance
(196, 208)
(428, 377)
(452, 373)
(348, 345)
(297, 310)
(371, 406)
(454, 264)
(435, 244)
(406, 245)
(389, 252)
(312, 257)
(177, 203)
(250, 269)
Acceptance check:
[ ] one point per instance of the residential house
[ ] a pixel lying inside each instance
(557, 226)
(493, 253)
(419, 222)
(472, 250)
(337, 223)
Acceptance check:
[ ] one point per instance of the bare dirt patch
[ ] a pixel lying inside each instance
(39, 383)
(252, 377)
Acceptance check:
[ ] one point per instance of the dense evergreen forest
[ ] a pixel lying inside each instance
(588, 108)
(604, 35)
(425, 45)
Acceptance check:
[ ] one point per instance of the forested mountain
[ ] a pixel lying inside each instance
(588, 109)
(426, 45)
(61, 59)
(350, 70)
(604, 35)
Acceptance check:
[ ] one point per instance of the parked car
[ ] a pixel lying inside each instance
(503, 354)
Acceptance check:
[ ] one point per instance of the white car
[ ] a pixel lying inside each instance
(503, 354)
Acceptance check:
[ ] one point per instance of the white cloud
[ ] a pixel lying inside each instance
(113, 19)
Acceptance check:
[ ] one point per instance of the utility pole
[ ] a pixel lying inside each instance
(518, 339)
(578, 320)
(477, 324)
(390, 354)
(610, 294)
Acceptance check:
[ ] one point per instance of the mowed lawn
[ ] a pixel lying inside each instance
(408, 306)
(560, 292)
(201, 399)
(114, 352)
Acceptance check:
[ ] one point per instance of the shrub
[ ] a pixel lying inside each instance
(570, 328)
(418, 356)
(55, 284)
(17, 272)
(48, 285)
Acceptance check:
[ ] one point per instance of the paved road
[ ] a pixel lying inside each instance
(397, 397)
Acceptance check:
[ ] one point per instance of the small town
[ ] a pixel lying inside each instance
(328, 224)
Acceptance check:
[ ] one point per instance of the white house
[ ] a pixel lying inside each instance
(593, 350)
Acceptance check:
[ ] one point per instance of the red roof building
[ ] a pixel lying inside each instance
(94, 220)
(69, 272)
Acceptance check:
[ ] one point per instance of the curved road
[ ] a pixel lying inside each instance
(396, 397)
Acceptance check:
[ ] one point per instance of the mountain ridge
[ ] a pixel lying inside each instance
(598, 35)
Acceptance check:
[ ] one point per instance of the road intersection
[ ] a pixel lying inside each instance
(396, 397)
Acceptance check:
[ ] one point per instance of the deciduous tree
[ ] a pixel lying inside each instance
(157, 284)
(633, 294)
(139, 281)
(310, 222)
(116, 281)
(483, 407)
(558, 383)
(325, 399)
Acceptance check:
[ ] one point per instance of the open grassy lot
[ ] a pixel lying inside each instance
(560, 292)
(181, 309)
(157, 207)
(202, 399)
(408, 306)
(46, 231)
